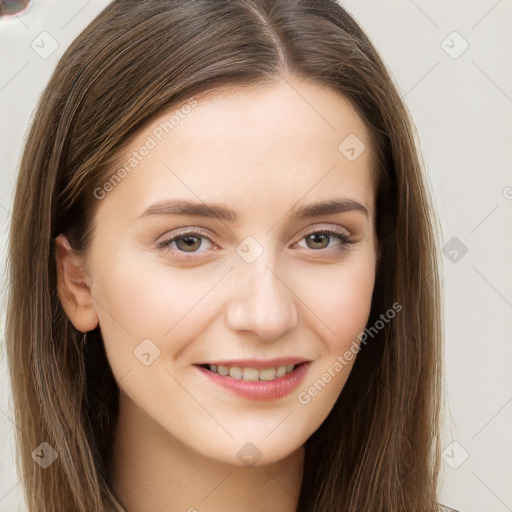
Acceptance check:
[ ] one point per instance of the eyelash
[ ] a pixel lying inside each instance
(165, 244)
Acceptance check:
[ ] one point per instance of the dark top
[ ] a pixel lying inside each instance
(444, 508)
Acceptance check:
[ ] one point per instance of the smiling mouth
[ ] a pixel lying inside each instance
(252, 374)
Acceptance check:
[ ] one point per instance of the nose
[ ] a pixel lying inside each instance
(261, 302)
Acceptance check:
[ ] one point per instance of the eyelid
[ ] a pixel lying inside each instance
(182, 233)
(192, 231)
(332, 230)
(343, 237)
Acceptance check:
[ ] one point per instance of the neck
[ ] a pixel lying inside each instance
(151, 470)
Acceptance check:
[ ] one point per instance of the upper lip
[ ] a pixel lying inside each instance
(258, 363)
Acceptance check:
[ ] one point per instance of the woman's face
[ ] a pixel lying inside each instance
(201, 255)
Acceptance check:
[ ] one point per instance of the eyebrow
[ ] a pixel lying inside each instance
(192, 208)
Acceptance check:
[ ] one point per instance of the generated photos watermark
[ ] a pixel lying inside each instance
(151, 142)
(305, 396)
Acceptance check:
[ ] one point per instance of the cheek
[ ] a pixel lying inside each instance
(344, 309)
(351, 308)
(343, 304)
(138, 300)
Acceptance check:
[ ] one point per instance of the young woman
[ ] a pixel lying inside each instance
(224, 291)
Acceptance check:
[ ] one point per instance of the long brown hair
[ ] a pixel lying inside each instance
(378, 450)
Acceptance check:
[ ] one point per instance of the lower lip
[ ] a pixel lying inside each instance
(260, 390)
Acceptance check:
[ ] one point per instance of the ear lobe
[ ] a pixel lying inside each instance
(73, 286)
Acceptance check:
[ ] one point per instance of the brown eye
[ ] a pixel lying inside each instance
(321, 239)
(188, 243)
(317, 240)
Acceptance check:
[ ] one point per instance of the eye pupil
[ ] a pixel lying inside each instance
(318, 238)
(191, 242)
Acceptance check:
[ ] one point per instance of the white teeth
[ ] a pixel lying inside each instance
(252, 374)
(236, 372)
(221, 370)
(268, 374)
(281, 370)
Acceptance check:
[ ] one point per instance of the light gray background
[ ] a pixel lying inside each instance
(462, 106)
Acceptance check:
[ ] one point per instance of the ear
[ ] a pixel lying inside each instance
(73, 286)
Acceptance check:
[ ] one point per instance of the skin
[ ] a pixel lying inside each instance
(262, 151)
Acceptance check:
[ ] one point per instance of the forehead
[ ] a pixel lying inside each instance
(273, 144)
